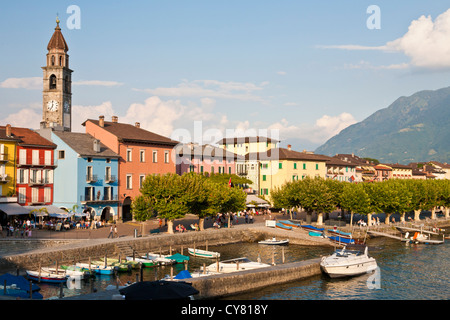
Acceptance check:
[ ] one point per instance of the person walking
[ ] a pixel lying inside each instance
(111, 232)
(115, 231)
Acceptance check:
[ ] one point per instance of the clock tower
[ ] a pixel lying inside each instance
(57, 93)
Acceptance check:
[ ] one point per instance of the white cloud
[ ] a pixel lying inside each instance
(33, 83)
(25, 118)
(97, 83)
(82, 113)
(426, 43)
(210, 89)
(323, 129)
(367, 65)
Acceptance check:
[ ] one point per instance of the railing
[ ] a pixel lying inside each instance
(90, 178)
(93, 198)
(110, 178)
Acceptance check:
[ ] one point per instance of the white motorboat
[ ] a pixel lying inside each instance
(233, 265)
(274, 241)
(203, 253)
(73, 274)
(352, 260)
(161, 259)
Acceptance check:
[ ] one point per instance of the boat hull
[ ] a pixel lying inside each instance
(274, 242)
(203, 253)
(45, 277)
(340, 271)
(282, 226)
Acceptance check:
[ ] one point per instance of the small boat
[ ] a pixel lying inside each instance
(203, 253)
(341, 240)
(311, 228)
(87, 273)
(161, 259)
(274, 241)
(46, 276)
(340, 233)
(288, 223)
(179, 258)
(70, 273)
(233, 265)
(422, 238)
(120, 266)
(18, 286)
(352, 260)
(316, 234)
(146, 263)
(97, 268)
(282, 226)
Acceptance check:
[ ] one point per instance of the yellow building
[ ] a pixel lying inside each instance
(280, 165)
(8, 146)
(245, 145)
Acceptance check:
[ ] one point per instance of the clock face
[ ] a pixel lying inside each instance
(52, 105)
(66, 106)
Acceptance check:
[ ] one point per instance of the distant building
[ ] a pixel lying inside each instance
(86, 175)
(141, 153)
(205, 159)
(8, 155)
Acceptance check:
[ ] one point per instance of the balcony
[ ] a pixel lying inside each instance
(4, 178)
(110, 178)
(35, 164)
(4, 157)
(91, 178)
(38, 182)
(98, 198)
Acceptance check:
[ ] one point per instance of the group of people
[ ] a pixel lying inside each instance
(17, 228)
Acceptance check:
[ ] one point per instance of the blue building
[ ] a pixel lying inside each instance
(86, 175)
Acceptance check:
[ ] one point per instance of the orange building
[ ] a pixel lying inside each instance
(142, 152)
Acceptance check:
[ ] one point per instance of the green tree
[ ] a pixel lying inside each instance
(356, 200)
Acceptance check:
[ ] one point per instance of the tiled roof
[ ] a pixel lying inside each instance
(285, 154)
(57, 40)
(27, 137)
(246, 140)
(129, 133)
(83, 144)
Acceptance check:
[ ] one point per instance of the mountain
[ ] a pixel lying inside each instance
(411, 129)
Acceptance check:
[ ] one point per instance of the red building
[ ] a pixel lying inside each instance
(35, 165)
(141, 153)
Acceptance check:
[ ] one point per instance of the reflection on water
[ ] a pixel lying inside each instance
(406, 272)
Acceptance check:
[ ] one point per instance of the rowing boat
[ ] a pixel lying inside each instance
(46, 276)
(288, 223)
(146, 263)
(274, 241)
(282, 226)
(203, 253)
(311, 228)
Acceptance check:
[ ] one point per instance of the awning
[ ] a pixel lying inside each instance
(253, 201)
(14, 209)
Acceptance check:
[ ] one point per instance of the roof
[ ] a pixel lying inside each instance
(396, 166)
(83, 144)
(3, 135)
(26, 137)
(285, 154)
(130, 133)
(57, 40)
(332, 161)
(205, 151)
(247, 140)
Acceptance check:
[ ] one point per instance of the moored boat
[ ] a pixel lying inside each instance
(311, 228)
(340, 233)
(234, 265)
(274, 241)
(46, 276)
(98, 269)
(352, 260)
(341, 240)
(282, 226)
(179, 258)
(316, 234)
(203, 253)
(161, 259)
(146, 263)
(288, 223)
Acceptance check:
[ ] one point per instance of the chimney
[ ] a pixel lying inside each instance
(137, 125)
(96, 145)
(101, 121)
(289, 147)
(115, 119)
(8, 130)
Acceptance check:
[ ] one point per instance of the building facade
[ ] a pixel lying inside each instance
(86, 178)
(141, 153)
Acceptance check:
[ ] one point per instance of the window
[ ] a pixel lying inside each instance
(191, 168)
(212, 169)
(155, 156)
(52, 82)
(166, 156)
(107, 193)
(264, 177)
(280, 165)
(317, 166)
(229, 170)
(142, 156)
(22, 156)
(48, 158)
(35, 157)
(61, 154)
(295, 165)
(89, 194)
(129, 181)
(89, 173)
(129, 154)
(141, 180)
(304, 166)
(47, 195)
(34, 195)
(22, 195)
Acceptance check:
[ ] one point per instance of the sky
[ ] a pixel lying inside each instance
(199, 70)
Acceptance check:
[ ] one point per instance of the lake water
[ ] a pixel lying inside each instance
(406, 272)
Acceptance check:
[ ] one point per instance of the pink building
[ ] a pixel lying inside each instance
(204, 159)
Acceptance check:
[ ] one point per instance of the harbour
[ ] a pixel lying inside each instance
(243, 241)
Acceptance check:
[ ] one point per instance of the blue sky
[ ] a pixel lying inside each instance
(299, 70)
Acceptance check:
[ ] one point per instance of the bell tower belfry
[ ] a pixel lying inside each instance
(57, 91)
